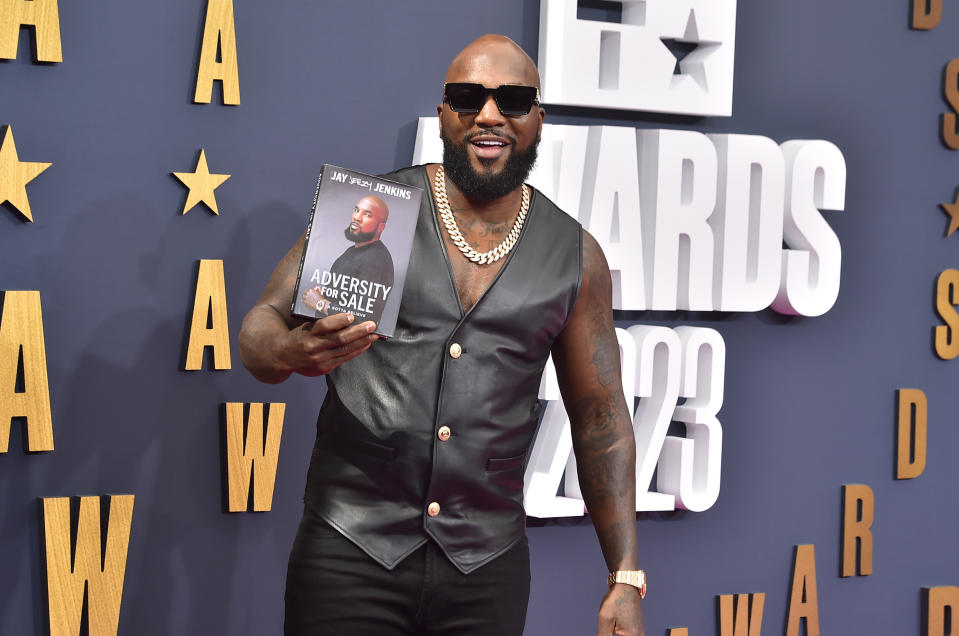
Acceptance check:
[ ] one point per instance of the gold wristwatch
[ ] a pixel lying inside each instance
(636, 578)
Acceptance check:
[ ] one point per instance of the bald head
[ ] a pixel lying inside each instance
(488, 153)
(493, 60)
(376, 206)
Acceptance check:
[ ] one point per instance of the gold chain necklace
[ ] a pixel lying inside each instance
(446, 215)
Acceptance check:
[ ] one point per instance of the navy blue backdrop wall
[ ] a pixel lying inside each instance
(809, 402)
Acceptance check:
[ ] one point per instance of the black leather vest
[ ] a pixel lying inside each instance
(378, 461)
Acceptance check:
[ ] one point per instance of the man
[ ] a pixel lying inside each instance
(368, 259)
(414, 521)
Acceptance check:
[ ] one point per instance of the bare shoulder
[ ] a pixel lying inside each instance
(596, 292)
(595, 267)
(586, 352)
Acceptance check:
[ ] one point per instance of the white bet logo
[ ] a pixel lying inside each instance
(669, 56)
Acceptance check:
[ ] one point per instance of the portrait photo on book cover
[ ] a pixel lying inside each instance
(358, 248)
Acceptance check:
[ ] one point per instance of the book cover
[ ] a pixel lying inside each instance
(357, 248)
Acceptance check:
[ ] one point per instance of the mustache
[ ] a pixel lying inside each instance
(498, 132)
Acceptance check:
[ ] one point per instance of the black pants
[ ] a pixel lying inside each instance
(333, 587)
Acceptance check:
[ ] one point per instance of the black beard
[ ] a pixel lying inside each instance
(358, 237)
(485, 186)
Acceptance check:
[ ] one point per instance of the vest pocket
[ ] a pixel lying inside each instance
(506, 475)
(496, 464)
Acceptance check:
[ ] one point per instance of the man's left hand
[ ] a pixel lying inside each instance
(620, 612)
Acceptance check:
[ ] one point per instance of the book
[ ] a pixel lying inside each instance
(357, 248)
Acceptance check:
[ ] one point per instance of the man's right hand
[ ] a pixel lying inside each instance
(319, 347)
(274, 344)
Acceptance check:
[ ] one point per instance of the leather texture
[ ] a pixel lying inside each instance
(378, 462)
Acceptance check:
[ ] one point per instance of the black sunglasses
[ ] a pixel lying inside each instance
(512, 100)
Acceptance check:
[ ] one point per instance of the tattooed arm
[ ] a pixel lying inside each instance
(586, 355)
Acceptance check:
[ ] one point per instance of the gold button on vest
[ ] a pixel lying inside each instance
(443, 433)
(433, 509)
(456, 350)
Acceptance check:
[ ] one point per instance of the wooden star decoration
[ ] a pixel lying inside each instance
(952, 209)
(201, 184)
(15, 175)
